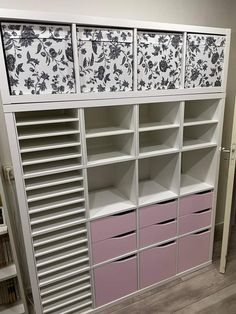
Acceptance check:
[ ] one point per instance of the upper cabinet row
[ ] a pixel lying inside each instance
(40, 59)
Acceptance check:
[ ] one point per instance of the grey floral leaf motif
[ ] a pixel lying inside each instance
(204, 60)
(159, 60)
(105, 59)
(32, 48)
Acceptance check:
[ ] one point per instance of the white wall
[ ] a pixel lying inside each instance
(218, 13)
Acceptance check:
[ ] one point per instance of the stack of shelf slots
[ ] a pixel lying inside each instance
(10, 294)
(51, 154)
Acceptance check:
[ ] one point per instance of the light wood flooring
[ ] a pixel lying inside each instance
(205, 292)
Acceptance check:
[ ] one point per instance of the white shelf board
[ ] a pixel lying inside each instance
(154, 150)
(151, 126)
(7, 272)
(106, 155)
(190, 144)
(194, 121)
(12, 309)
(150, 191)
(192, 185)
(3, 230)
(107, 202)
(107, 131)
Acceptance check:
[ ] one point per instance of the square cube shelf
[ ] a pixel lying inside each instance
(201, 111)
(158, 115)
(158, 178)
(198, 170)
(112, 120)
(198, 136)
(110, 148)
(112, 188)
(158, 142)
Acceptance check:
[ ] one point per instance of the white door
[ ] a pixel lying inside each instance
(230, 152)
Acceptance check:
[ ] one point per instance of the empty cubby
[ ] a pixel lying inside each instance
(159, 141)
(199, 135)
(200, 111)
(114, 147)
(109, 120)
(158, 178)
(198, 170)
(157, 115)
(111, 188)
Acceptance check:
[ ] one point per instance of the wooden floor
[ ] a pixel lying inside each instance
(205, 291)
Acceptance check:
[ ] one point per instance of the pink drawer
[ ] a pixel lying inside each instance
(159, 232)
(194, 221)
(113, 247)
(152, 214)
(195, 202)
(111, 226)
(115, 280)
(157, 264)
(193, 250)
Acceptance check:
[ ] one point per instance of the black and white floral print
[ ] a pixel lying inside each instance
(105, 60)
(39, 58)
(159, 60)
(204, 60)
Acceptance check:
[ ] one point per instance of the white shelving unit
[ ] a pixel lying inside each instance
(12, 270)
(97, 155)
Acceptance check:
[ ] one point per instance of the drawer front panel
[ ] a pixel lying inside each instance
(158, 232)
(193, 250)
(152, 214)
(157, 264)
(113, 247)
(195, 202)
(194, 221)
(109, 227)
(115, 280)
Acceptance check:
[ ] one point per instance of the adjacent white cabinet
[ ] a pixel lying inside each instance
(115, 131)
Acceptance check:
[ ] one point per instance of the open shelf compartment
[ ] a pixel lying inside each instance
(198, 170)
(201, 111)
(109, 148)
(196, 136)
(103, 121)
(158, 178)
(158, 115)
(111, 188)
(159, 141)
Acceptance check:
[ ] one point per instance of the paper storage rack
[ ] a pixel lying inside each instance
(110, 150)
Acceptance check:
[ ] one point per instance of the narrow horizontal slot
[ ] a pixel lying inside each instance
(201, 232)
(54, 191)
(202, 211)
(46, 116)
(60, 201)
(83, 307)
(53, 180)
(49, 156)
(166, 222)
(123, 235)
(61, 235)
(49, 143)
(82, 279)
(166, 244)
(45, 130)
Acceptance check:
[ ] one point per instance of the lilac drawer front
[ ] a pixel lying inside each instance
(158, 232)
(193, 250)
(194, 221)
(113, 247)
(152, 214)
(157, 264)
(109, 227)
(115, 280)
(195, 202)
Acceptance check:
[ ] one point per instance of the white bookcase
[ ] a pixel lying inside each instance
(116, 171)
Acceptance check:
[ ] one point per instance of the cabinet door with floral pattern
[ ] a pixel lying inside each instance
(105, 59)
(159, 60)
(39, 58)
(204, 60)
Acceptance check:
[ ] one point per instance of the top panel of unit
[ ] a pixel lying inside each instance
(49, 61)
